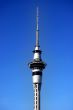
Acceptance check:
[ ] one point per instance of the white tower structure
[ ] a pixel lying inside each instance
(37, 66)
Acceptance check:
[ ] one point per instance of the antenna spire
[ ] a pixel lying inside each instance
(37, 27)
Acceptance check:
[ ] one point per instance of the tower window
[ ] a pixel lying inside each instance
(36, 98)
(36, 90)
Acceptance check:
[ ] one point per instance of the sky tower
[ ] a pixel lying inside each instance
(37, 66)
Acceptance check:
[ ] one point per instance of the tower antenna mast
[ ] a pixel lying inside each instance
(37, 27)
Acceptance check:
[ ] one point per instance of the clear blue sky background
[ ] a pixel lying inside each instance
(17, 40)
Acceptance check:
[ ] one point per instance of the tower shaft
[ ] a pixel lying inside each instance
(37, 79)
(36, 96)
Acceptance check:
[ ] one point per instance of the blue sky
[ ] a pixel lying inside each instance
(17, 40)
